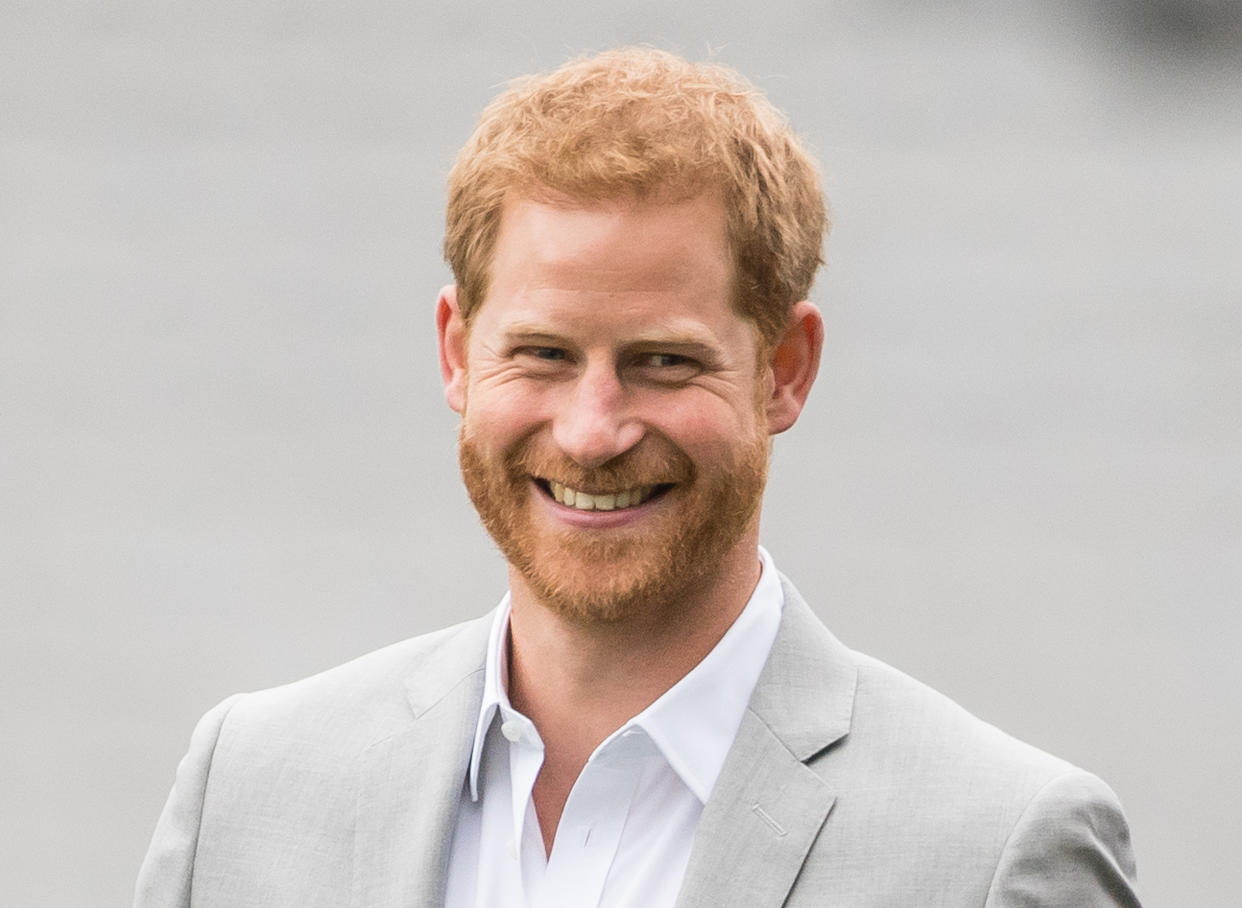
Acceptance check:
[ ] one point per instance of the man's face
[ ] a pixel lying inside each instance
(613, 437)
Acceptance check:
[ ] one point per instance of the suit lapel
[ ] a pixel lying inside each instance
(410, 782)
(767, 806)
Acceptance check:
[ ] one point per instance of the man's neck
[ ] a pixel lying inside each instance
(580, 682)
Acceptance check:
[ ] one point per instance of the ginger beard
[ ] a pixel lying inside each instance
(610, 576)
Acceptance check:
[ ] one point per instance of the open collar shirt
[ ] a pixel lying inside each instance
(626, 830)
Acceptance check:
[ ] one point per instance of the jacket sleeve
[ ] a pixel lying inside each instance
(168, 869)
(1070, 849)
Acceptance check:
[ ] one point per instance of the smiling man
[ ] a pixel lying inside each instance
(652, 716)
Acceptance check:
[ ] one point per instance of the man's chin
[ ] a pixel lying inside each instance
(604, 588)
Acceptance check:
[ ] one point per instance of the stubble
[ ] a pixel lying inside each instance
(615, 576)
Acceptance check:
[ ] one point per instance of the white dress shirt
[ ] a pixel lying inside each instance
(626, 830)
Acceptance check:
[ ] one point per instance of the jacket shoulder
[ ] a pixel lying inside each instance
(953, 809)
(267, 793)
(898, 714)
(358, 700)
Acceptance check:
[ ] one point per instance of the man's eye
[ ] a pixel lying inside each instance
(551, 354)
(667, 368)
(665, 360)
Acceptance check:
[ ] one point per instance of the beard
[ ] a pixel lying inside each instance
(611, 576)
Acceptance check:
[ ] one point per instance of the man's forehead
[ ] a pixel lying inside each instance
(530, 323)
(560, 230)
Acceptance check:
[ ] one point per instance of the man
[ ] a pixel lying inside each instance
(653, 716)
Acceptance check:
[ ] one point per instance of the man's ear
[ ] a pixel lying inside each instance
(451, 337)
(794, 362)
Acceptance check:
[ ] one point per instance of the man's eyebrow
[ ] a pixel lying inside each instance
(683, 345)
(531, 333)
(677, 337)
(534, 333)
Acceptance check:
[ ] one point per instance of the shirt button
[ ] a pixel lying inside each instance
(511, 729)
(511, 850)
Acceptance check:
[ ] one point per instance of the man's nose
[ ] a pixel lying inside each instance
(594, 423)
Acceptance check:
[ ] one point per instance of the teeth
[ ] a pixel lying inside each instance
(602, 501)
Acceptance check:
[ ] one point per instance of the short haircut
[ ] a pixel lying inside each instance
(638, 122)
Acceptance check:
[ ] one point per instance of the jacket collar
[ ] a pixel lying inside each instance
(768, 805)
(806, 692)
(410, 781)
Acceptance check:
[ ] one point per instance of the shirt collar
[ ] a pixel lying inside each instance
(495, 688)
(694, 722)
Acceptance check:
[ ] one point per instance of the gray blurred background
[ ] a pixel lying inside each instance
(225, 461)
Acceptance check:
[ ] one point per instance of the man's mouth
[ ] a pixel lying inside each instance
(602, 501)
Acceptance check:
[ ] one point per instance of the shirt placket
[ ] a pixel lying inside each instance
(525, 753)
(592, 822)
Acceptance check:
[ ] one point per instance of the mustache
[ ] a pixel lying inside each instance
(646, 465)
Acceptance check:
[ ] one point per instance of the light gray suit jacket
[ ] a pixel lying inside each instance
(849, 784)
